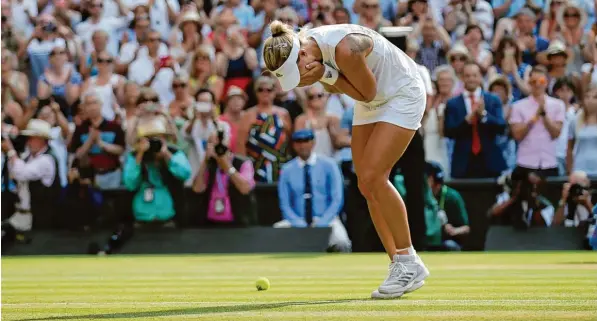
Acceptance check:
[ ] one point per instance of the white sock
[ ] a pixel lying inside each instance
(410, 249)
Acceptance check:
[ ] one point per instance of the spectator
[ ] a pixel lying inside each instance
(311, 191)
(589, 70)
(523, 206)
(181, 108)
(458, 57)
(293, 101)
(341, 15)
(370, 15)
(572, 20)
(233, 113)
(156, 173)
(263, 133)
(326, 127)
(188, 38)
(500, 86)
(456, 229)
(236, 62)
(474, 119)
(21, 14)
(36, 176)
(532, 46)
(162, 13)
(60, 80)
(154, 71)
(59, 136)
(435, 42)
(15, 85)
(575, 206)
(475, 43)
(417, 11)
(460, 14)
(550, 26)
(130, 96)
(200, 127)
(582, 135)
(564, 90)
(43, 40)
(536, 122)
(203, 73)
(101, 140)
(83, 200)
(433, 120)
(258, 29)
(139, 45)
(242, 12)
(107, 84)
(88, 63)
(557, 60)
(321, 14)
(508, 62)
(98, 21)
(227, 181)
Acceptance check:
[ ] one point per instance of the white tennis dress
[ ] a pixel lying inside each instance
(401, 96)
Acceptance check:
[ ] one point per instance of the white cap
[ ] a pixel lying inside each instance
(288, 74)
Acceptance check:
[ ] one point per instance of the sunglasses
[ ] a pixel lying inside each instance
(143, 100)
(316, 96)
(107, 60)
(261, 90)
(538, 81)
(54, 53)
(458, 58)
(324, 8)
(571, 15)
(370, 6)
(154, 39)
(179, 85)
(302, 140)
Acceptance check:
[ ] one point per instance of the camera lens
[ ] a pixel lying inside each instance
(4, 18)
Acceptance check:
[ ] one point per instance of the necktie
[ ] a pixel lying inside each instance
(308, 196)
(476, 138)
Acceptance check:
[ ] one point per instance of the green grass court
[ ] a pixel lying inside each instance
(468, 286)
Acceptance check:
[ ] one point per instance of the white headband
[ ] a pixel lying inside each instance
(288, 74)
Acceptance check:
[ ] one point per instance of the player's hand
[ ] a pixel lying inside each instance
(314, 73)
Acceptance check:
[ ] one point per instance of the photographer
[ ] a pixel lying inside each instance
(156, 173)
(575, 206)
(522, 205)
(227, 181)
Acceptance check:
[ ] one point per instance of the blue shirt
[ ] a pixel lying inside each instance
(541, 44)
(327, 190)
(515, 6)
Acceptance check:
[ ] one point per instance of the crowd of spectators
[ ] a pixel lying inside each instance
(156, 95)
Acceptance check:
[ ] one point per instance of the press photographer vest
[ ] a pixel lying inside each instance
(243, 206)
(44, 199)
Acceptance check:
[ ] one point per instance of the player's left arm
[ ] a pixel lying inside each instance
(351, 55)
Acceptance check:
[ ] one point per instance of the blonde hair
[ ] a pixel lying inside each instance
(278, 46)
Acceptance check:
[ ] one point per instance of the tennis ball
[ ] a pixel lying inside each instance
(262, 284)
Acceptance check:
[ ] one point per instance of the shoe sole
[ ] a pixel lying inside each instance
(376, 295)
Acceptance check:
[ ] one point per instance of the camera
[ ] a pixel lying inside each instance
(220, 148)
(576, 190)
(155, 145)
(4, 18)
(50, 27)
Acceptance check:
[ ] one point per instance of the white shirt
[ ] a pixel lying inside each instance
(40, 167)
(141, 70)
(109, 24)
(467, 99)
(20, 19)
(158, 14)
(59, 147)
(311, 160)
(127, 51)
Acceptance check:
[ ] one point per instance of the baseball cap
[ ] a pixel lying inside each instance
(288, 74)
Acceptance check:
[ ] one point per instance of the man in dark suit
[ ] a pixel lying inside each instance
(473, 119)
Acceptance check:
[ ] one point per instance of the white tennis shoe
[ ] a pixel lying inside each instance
(406, 274)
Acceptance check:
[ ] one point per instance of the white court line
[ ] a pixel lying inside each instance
(298, 303)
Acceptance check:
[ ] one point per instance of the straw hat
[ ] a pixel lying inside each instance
(37, 128)
(458, 49)
(156, 126)
(235, 91)
(556, 47)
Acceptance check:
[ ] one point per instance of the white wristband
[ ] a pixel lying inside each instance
(231, 171)
(330, 75)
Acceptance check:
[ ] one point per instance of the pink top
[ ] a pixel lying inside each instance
(233, 132)
(219, 208)
(537, 150)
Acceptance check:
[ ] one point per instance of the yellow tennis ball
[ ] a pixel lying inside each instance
(262, 284)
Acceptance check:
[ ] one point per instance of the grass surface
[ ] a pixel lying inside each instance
(467, 286)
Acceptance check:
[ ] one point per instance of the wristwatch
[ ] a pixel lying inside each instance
(231, 171)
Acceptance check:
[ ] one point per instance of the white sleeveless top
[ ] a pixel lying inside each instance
(106, 91)
(392, 68)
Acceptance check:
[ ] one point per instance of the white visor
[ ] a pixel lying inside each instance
(288, 74)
